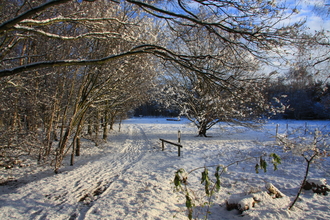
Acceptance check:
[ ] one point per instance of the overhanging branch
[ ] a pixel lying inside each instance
(51, 35)
(54, 63)
(66, 19)
(141, 49)
(10, 23)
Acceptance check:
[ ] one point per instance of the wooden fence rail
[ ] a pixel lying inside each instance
(169, 142)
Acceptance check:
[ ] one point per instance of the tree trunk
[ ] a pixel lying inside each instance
(65, 137)
(105, 131)
(76, 138)
(89, 127)
(120, 121)
(97, 125)
(15, 121)
(50, 129)
(73, 152)
(202, 131)
(78, 146)
(105, 125)
(112, 119)
(61, 148)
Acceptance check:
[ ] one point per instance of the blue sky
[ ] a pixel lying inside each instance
(314, 20)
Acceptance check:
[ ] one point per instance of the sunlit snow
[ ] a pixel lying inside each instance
(130, 177)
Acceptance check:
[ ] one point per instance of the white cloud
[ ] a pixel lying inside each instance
(315, 20)
(316, 23)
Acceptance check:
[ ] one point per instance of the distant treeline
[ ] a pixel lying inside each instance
(307, 101)
(154, 108)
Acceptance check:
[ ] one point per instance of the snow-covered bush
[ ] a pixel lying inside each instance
(312, 145)
(212, 184)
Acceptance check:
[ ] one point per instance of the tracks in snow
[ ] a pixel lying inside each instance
(133, 151)
(71, 195)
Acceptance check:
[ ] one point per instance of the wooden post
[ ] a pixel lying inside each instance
(276, 131)
(179, 136)
(287, 127)
(176, 144)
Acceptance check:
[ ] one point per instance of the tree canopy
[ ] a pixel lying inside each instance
(67, 65)
(254, 26)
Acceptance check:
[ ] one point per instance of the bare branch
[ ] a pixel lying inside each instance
(89, 34)
(176, 15)
(10, 23)
(321, 61)
(28, 67)
(66, 19)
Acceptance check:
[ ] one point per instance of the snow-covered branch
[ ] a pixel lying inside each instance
(68, 19)
(142, 49)
(53, 63)
(103, 35)
(12, 22)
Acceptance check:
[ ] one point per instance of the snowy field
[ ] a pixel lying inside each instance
(130, 177)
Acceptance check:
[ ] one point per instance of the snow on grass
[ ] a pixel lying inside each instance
(129, 177)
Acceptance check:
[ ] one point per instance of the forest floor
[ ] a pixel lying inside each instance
(130, 177)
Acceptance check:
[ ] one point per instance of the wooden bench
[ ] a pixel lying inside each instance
(169, 142)
(173, 119)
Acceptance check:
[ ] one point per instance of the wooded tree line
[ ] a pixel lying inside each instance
(305, 97)
(71, 68)
(298, 94)
(44, 112)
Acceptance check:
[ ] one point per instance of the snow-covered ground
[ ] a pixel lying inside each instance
(130, 177)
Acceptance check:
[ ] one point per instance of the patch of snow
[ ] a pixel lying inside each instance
(130, 177)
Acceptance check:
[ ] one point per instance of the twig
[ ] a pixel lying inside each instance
(304, 181)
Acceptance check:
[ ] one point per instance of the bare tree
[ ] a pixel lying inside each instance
(249, 25)
(245, 104)
(51, 98)
(59, 50)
